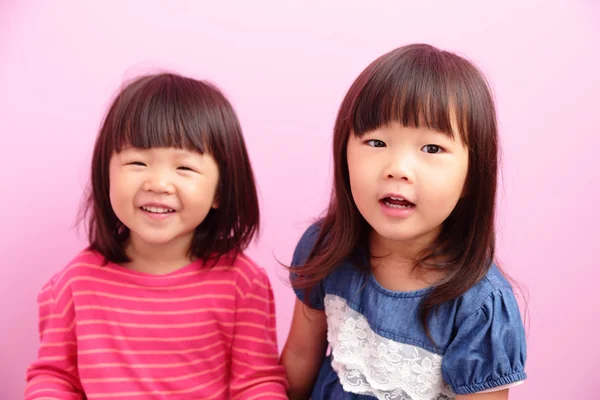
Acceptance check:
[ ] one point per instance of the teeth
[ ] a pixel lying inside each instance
(397, 198)
(158, 210)
(396, 205)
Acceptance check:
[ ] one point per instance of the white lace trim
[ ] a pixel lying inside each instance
(370, 364)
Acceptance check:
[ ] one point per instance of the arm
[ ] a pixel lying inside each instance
(488, 353)
(54, 374)
(304, 350)
(255, 369)
(497, 395)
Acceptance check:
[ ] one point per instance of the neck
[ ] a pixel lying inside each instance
(394, 262)
(158, 258)
(399, 252)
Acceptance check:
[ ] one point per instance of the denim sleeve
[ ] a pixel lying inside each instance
(489, 348)
(303, 248)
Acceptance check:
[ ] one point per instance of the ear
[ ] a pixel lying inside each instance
(215, 204)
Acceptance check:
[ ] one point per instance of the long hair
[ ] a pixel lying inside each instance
(417, 85)
(169, 110)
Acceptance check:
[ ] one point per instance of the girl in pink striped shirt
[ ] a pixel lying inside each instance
(163, 304)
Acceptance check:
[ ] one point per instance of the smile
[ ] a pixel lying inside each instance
(157, 210)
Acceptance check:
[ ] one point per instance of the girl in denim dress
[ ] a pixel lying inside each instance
(399, 294)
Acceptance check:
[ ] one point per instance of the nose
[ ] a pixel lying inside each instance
(158, 182)
(401, 165)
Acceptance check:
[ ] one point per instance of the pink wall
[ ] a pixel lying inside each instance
(286, 69)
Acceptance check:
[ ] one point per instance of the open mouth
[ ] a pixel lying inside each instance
(396, 202)
(157, 210)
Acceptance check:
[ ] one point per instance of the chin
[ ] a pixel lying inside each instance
(156, 241)
(396, 236)
(406, 234)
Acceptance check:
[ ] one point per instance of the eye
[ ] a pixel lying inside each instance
(141, 164)
(184, 168)
(375, 143)
(432, 149)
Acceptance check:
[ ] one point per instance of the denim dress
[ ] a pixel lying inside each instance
(378, 347)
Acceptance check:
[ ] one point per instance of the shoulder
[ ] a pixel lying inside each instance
(79, 265)
(493, 288)
(247, 273)
(306, 243)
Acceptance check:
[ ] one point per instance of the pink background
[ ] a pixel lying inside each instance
(286, 68)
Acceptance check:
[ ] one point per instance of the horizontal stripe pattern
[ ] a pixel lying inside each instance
(111, 333)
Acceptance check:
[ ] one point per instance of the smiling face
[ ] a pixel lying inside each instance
(406, 181)
(162, 194)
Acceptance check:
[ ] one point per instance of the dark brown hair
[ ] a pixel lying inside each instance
(169, 110)
(417, 85)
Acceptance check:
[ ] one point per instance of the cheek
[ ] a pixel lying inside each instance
(357, 179)
(363, 187)
(123, 188)
(120, 184)
(451, 184)
(114, 185)
(118, 196)
(362, 170)
(461, 175)
(210, 182)
(199, 191)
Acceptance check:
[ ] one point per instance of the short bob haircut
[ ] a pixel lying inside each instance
(170, 110)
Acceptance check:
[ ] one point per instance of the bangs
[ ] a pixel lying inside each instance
(173, 111)
(416, 88)
(167, 111)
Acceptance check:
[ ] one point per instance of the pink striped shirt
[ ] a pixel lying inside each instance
(111, 333)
